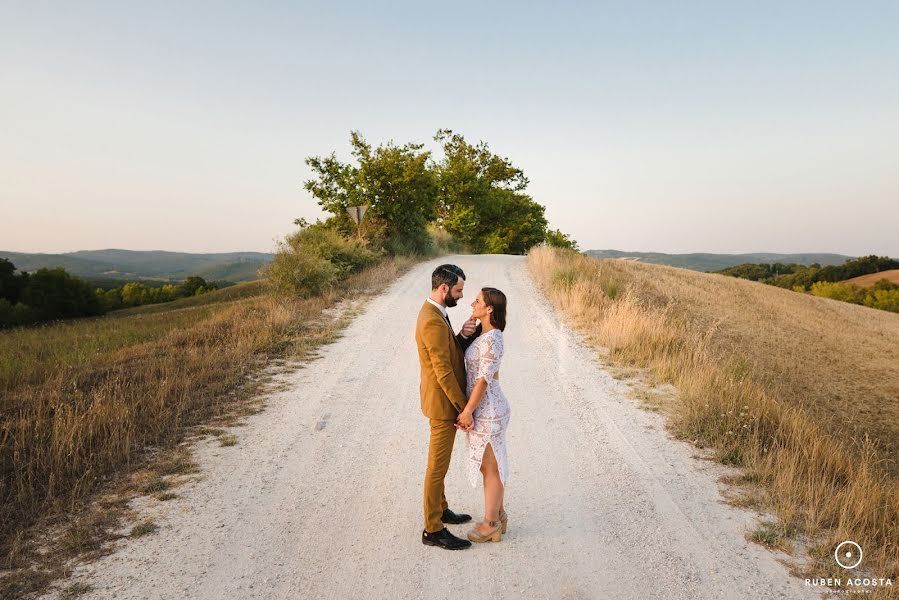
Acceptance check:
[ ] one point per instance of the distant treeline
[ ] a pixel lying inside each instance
(138, 294)
(791, 275)
(826, 281)
(50, 294)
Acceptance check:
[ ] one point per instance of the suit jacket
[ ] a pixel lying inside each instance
(441, 355)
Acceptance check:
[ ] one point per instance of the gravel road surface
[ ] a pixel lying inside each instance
(322, 495)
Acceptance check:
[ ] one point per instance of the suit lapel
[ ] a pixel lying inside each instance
(440, 316)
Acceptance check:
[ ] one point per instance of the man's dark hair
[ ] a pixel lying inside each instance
(448, 274)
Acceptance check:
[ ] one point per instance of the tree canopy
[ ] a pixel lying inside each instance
(475, 195)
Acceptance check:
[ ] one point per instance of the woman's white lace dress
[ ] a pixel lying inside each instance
(491, 417)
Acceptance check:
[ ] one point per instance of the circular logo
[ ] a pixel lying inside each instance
(848, 554)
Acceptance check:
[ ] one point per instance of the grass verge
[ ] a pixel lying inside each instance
(95, 411)
(801, 391)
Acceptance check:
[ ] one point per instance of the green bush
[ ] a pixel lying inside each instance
(22, 314)
(14, 314)
(297, 273)
(348, 255)
(316, 257)
(564, 277)
(835, 291)
(611, 289)
(884, 300)
(555, 237)
(883, 284)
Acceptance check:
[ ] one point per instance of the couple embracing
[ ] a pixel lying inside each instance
(460, 391)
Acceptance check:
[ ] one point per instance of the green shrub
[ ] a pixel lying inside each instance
(348, 255)
(293, 273)
(564, 277)
(22, 314)
(883, 284)
(316, 257)
(555, 237)
(611, 288)
(15, 314)
(883, 300)
(835, 291)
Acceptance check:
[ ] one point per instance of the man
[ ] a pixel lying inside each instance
(441, 356)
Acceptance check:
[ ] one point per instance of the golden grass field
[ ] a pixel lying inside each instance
(801, 391)
(868, 280)
(84, 403)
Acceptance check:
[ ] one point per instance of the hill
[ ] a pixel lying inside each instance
(151, 265)
(715, 262)
(800, 391)
(239, 291)
(868, 280)
(835, 360)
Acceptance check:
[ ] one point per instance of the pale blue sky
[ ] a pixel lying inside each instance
(672, 127)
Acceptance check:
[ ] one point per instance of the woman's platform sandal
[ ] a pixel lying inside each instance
(494, 535)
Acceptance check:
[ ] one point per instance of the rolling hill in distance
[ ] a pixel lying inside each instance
(156, 265)
(715, 262)
(868, 280)
(159, 265)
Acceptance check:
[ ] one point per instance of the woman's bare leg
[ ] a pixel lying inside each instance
(493, 488)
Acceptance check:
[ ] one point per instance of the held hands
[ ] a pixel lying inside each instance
(469, 327)
(464, 421)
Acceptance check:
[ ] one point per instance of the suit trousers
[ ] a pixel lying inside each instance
(440, 450)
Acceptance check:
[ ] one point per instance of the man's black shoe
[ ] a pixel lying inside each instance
(454, 519)
(444, 539)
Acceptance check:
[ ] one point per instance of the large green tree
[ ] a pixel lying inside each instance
(475, 195)
(397, 182)
(55, 294)
(481, 200)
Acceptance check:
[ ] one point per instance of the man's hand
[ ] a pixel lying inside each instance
(469, 327)
(465, 420)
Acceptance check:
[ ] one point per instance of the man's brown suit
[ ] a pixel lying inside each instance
(441, 356)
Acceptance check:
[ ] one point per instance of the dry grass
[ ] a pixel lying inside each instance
(802, 391)
(144, 528)
(85, 403)
(868, 280)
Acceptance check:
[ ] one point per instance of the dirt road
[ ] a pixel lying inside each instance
(321, 497)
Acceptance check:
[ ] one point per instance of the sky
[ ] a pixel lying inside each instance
(671, 127)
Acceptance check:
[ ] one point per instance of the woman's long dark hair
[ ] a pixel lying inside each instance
(497, 300)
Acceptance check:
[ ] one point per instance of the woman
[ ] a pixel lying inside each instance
(486, 416)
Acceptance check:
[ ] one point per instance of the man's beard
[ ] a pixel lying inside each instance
(449, 300)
